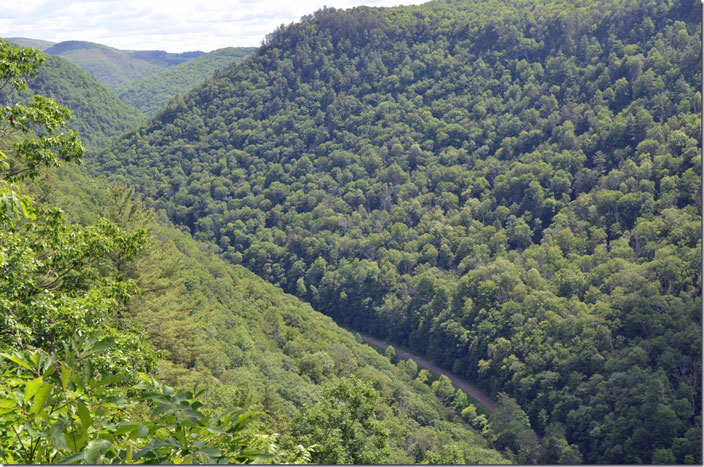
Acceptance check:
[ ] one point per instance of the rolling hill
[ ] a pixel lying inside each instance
(113, 67)
(512, 190)
(152, 93)
(33, 43)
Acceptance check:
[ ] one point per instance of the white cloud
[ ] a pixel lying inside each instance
(172, 25)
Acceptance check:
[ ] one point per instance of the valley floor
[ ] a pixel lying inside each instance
(456, 380)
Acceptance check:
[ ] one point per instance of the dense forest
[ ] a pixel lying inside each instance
(512, 190)
(152, 93)
(266, 350)
(109, 316)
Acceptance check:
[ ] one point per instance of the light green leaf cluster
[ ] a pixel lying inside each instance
(66, 410)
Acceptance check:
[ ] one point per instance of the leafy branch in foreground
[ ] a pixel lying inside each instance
(31, 136)
(65, 409)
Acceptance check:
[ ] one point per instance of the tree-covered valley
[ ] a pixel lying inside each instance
(102, 287)
(512, 190)
(509, 189)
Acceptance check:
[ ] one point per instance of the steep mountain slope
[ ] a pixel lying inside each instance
(152, 93)
(33, 43)
(512, 190)
(220, 325)
(254, 346)
(113, 67)
(98, 114)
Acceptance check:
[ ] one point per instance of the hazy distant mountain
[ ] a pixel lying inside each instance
(34, 43)
(153, 92)
(113, 67)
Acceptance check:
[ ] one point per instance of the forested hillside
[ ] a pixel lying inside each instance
(98, 115)
(113, 67)
(258, 348)
(152, 93)
(92, 296)
(67, 370)
(512, 190)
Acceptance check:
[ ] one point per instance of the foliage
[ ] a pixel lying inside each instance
(67, 410)
(28, 132)
(249, 343)
(510, 428)
(54, 279)
(343, 425)
(512, 189)
(254, 346)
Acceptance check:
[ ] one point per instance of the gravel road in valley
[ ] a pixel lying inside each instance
(456, 380)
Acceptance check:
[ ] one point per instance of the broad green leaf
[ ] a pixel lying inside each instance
(56, 432)
(143, 430)
(102, 345)
(72, 459)
(216, 429)
(65, 376)
(7, 406)
(18, 360)
(160, 409)
(119, 402)
(41, 397)
(84, 415)
(48, 367)
(155, 445)
(212, 452)
(35, 357)
(27, 209)
(30, 429)
(145, 378)
(31, 388)
(126, 428)
(72, 441)
(81, 440)
(259, 458)
(78, 381)
(95, 450)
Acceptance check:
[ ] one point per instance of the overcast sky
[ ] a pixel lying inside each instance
(171, 25)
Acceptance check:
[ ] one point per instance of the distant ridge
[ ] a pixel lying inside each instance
(109, 65)
(34, 43)
(152, 93)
